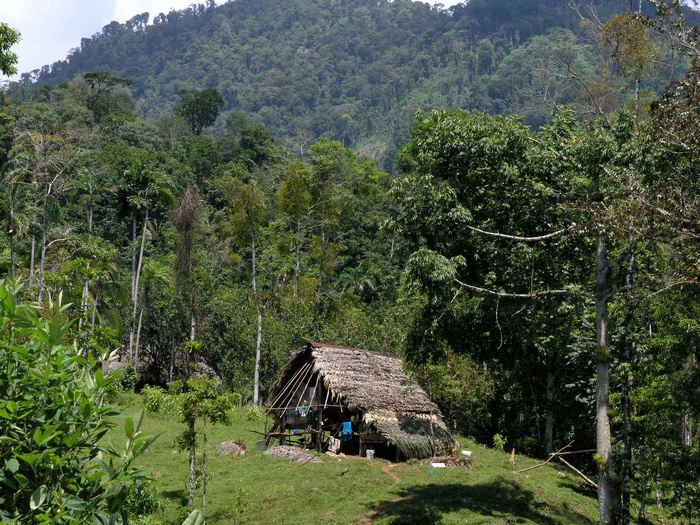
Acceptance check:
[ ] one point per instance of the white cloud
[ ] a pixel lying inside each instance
(51, 28)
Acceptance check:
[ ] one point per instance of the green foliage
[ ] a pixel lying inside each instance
(144, 501)
(126, 378)
(52, 418)
(8, 38)
(176, 387)
(153, 398)
(200, 108)
(274, 64)
(462, 391)
(254, 413)
(499, 442)
(339, 261)
(107, 95)
(202, 399)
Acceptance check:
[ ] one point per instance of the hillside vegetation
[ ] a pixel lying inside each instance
(354, 71)
(538, 276)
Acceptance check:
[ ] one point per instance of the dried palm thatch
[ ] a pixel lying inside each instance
(417, 435)
(362, 379)
(375, 385)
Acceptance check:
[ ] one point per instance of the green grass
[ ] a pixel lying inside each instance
(276, 491)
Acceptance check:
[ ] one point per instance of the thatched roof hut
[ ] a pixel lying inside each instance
(333, 384)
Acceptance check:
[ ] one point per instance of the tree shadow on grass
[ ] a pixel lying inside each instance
(427, 505)
(177, 495)
(579, 486)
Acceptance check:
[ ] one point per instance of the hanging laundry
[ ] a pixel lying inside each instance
(347, 431)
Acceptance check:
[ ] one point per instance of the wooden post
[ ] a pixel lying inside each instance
(319, 436)
(363, 445)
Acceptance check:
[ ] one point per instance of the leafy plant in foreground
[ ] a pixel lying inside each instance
(52, 417)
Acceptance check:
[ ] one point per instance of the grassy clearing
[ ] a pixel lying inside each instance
(256, 488)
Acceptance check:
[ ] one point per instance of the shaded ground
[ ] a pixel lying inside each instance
(503, 498)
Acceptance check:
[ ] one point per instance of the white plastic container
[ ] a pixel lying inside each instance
(370, 453)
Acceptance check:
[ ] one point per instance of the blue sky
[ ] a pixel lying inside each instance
(51, 28)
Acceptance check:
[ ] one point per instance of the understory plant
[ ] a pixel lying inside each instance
(55, 467)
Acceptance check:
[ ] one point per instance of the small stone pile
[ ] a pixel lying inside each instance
(231, 448)
(295, 454)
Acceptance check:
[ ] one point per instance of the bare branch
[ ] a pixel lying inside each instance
(551, 457)
(672, 285)
(586, 478)
(526, 239)
(531, 295)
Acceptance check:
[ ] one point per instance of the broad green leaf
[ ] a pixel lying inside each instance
(38, 497)
(74, 503)
(12, 465)
(196, 518)
(129, 428)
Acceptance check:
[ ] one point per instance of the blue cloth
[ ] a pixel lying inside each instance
(347, 430)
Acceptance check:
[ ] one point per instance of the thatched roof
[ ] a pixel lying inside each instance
(376, 385)
(417, 435)
(364, 380)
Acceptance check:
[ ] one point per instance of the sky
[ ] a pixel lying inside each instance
(51, 28)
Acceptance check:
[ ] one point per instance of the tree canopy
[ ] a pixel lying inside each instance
(8, 59)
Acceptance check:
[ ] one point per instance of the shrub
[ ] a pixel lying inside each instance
(175, 387)
(52, 417)
(253, 414)
(153, 398)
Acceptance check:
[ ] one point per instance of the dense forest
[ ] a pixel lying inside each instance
(354, 71)
(210, 189)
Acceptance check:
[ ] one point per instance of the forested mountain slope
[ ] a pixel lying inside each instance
(540, 281)
(354, 70)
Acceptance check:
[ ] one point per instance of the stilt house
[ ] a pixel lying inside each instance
(349, 400)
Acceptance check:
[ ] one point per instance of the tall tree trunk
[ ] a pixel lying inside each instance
(12, 255)
(133, 283)
(193, 461)
(643, 498)
(84, 302)
(138, 338)
(258, 311)
(626, 357)
(42, 260)
(204, 469)
(687, 430)
(549, 415)
(608, 493)
(297, 260)
(31, 261)
(94, 306)
(136, 284)
(172, 361)
(193, 315)
(86, 284)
